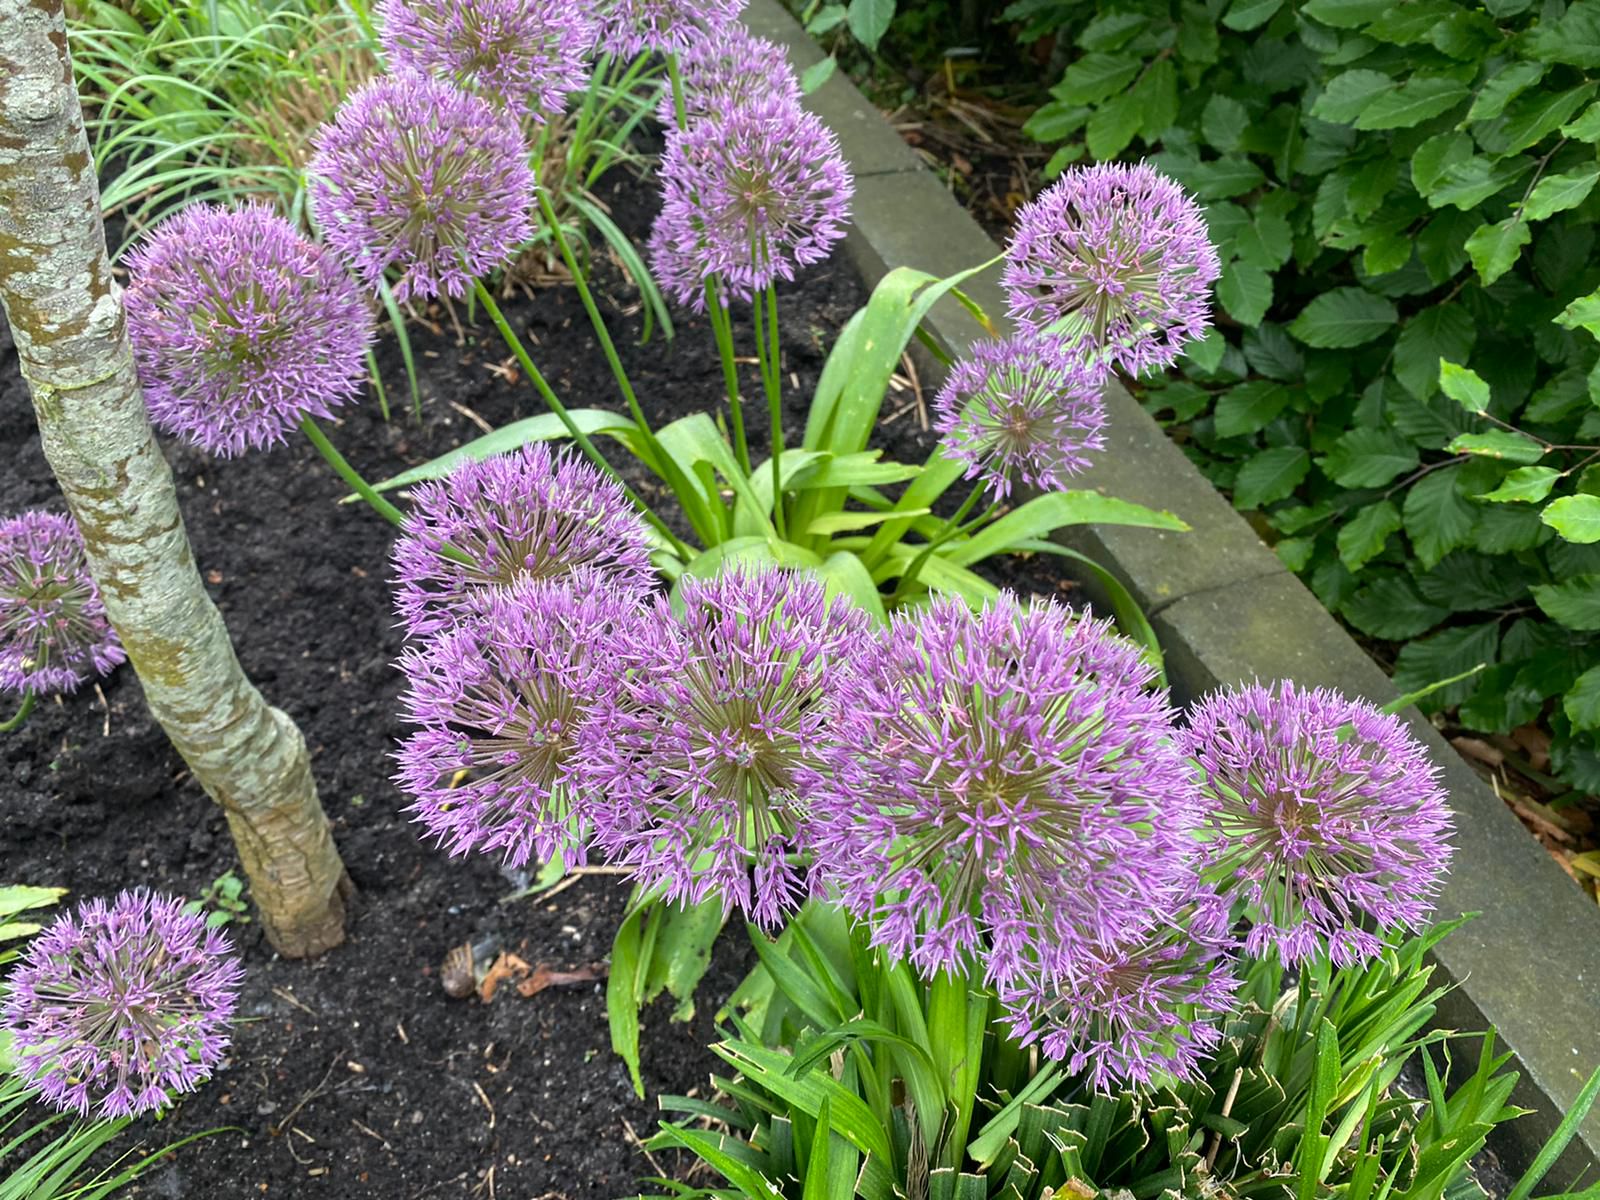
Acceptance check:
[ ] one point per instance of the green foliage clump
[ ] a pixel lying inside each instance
(1398, 190)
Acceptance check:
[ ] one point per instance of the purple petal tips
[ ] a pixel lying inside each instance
(54, 635)
(730, 70)
(632, 27)
(527, 55)
(509, 697)
(1325, 811)
(749, 197)
(119, 1006)
(1115, 261)
(416, 174)
(528, 514)
(726, 713)
(241, 327)
(1003, 788)
(1022, 408)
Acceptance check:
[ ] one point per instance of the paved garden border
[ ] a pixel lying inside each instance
(1227, 610)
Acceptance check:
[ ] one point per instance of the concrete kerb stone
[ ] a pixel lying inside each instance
(1226, 610)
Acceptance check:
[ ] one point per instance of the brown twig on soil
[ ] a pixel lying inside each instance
(638, 1145)
(282, 1126)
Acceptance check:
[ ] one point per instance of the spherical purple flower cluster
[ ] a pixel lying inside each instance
(241, 327)
(726, 713)
(1115, 260)
(54, 635)
(509, 696)
(514, 52)
(1325, 811)
(732, 69)
(1001, 788)
(1021, 408)
(121, 1005)
(416, 174)
(1130, 1011)
(748, 198)
(632, 27)
(527, 514)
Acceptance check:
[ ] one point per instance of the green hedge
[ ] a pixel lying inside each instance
(1394, 188)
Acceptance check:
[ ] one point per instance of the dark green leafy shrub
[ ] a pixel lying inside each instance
(1396, 189)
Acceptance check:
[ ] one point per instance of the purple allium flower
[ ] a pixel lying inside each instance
(1023, 407)
(730, 70)
(1116, 261)
(726, 711)
(417, 174)
(118, 1006)
(529, 53)
(1323, 810)
(1003, 787)
(1129, 1012)
(241, 326)
(632, 27)
(507, 697)
(527, 514)
(54, 635)
(748, 197)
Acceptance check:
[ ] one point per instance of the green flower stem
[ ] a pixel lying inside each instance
(688, 494)
(348, 473)
(28, 701)
(578, 436)
(952, 527)
(679, 108)
(722, 330)
(772, 381)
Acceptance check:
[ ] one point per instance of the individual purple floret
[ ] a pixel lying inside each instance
(1022, 408)
(1116, 261)
(727, 710)
(1324, 811)
(1131, 1013)
(54, 636)
(530, 55)
(241, 327)
(632, 27)
(527, 514)
(1004, 788)
(416, 174)
(734, 68)
(120, 1006)
(507, 697)
(749, 197)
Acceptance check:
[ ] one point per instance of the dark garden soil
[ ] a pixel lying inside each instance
(356, 1076)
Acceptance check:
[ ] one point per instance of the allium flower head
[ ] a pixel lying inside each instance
(1022, 408)
(417, 174)
(1128, 1013)
(1003, 788)
(728, 70)
(528, 514)
(727, 708)
(54, 635)
(508, 696)
(1116, 261)
(749, 196)
(118, 1006)
(523, 53)
(632, 27)
(240, 327)
(1324, 811)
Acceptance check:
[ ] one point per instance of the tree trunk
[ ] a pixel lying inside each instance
(66, 318)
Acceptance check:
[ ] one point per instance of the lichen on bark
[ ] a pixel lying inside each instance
(66, 319)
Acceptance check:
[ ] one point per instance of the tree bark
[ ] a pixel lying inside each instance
(67, 321)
